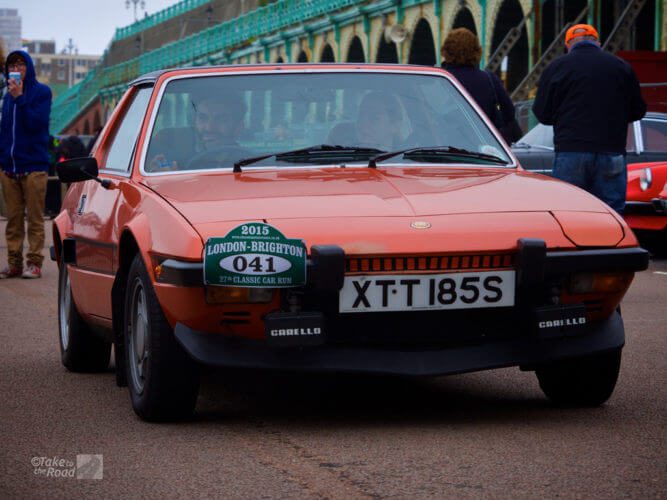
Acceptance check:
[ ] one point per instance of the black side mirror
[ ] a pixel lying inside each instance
(77, 169)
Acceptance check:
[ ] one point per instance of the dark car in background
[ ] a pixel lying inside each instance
(62, 147)
(647, 142)
(646, 147)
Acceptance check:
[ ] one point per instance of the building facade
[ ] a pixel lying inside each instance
(10, 29)
(58, 70)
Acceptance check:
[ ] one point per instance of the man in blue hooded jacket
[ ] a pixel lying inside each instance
(24, 160)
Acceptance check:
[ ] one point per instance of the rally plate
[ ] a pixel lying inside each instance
(424, 292)
(255, 255)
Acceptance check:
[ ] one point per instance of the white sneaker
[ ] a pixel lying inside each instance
(32, 272)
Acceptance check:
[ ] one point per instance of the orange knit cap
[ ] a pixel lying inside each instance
(581, 30)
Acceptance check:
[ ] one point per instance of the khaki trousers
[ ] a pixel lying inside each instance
(24, 195)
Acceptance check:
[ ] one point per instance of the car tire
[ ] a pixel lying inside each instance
(80, 349)
(581, 382)
(660, 248)
(163, 381)
(653, 241)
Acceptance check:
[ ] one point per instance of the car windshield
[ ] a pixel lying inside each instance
(539, 136)
(215, 121)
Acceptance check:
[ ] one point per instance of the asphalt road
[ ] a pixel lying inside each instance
(489, 434)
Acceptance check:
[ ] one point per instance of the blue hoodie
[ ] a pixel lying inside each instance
(24, 129)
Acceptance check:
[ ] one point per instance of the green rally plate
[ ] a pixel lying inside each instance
(255, 255)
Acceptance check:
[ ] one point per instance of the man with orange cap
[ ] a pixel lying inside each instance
(590, 97)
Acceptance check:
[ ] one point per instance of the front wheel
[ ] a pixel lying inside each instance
(162, 379)
(583, 382)
(80, 349)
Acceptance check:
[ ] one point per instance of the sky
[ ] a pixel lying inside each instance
(89, 23)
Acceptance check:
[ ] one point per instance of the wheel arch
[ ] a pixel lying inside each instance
(61, 227)
(128, 247)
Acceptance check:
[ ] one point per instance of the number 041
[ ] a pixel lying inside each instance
(258, 264)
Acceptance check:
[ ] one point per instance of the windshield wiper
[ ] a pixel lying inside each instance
(321, 150)
(447, 151)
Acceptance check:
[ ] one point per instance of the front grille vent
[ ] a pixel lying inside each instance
(235, 318)
(432, 263)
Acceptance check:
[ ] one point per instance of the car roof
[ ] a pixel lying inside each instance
(148, 77)
(153, 76)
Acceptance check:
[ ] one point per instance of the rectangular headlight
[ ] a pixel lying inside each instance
(581, 283)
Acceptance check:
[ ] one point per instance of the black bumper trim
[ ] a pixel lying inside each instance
(178, 272)
(660, 206)
(326, 269)
(217, 350)
(655, 207)
(618, 259)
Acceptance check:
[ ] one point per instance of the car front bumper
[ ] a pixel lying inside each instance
(430, 343)
(527, 351)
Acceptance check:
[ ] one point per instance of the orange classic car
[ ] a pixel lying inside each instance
(341, 218)
(646, 207)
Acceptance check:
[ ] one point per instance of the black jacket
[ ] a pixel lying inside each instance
(590, 97)
(488, 91)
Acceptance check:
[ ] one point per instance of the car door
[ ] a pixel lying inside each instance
(94, 227)
(633, 143)
(653, 139)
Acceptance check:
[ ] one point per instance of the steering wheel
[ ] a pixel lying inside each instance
(219, 157)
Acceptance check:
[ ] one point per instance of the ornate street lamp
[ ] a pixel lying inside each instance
(70, 49)
(209, 13)
(140, 3)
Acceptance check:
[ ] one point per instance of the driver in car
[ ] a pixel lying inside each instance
(218, 121)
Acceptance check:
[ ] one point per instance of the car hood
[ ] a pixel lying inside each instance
(325, 199)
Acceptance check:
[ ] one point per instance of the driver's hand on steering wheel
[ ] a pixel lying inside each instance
(160, 163)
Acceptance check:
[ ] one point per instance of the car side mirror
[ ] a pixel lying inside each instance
(82, 169)
(77, 169)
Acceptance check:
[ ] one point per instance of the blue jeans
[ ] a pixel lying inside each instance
(601, 174)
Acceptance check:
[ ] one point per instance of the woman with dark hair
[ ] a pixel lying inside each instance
(461, 53)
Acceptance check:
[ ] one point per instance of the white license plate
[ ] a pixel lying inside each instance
(417, 292)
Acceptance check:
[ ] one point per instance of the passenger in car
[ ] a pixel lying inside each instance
(217, 125)
(378, 124)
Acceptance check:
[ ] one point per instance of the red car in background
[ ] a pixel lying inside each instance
(646, 208)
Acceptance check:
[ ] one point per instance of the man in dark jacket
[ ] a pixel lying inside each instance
(24, 160)
(590, 97)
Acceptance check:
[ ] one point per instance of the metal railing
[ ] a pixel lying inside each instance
(506, 45)
(159, 17)
(555, 49)
(626, 21)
